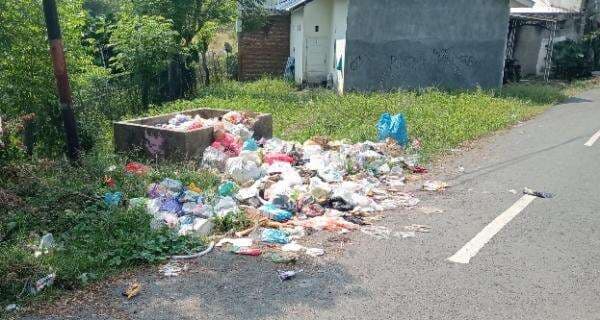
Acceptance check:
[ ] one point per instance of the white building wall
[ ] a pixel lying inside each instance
(315, 28)
(338, 28)
(297, 43)
(317, 32)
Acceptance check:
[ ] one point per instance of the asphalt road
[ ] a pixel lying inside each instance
(544, 264)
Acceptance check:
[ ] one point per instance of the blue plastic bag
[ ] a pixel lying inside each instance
(250, 145)
(274, 213)
(393, 127)
(113, 199)
(275, 236)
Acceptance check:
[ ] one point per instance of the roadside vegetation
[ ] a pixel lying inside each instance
(39, 195)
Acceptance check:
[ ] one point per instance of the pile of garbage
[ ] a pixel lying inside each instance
(231, 121)
(285, 188)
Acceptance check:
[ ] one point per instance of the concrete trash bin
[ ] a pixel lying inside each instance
(142, 135)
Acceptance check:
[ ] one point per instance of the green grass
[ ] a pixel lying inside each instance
(441, 120)
(93, 240)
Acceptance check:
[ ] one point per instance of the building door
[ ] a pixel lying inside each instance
(316, 59)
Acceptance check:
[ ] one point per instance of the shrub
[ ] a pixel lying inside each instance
(570, 60)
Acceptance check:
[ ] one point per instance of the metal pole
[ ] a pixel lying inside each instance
(62, 78)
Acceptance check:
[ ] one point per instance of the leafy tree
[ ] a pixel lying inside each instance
(196, 22)
(144, 45)
(26, 77)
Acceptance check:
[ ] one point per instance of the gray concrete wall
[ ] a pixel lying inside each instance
(422, 43)
(531, 41)
(528, 44)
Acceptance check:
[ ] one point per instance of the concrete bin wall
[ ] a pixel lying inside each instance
(142, 136)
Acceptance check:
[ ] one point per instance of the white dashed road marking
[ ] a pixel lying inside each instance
(470, 249)
(593, 139)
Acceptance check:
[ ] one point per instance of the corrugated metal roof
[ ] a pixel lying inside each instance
(288, 5)
(541, 7)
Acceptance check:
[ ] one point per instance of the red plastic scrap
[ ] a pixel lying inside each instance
(419, 169)
(110, 182)
(137, 168)
(278, 157)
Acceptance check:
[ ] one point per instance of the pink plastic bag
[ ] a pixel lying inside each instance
(227, 143)
(278, 157)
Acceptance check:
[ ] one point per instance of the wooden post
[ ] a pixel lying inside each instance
(62, 79)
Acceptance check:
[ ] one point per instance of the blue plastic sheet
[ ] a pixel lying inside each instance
(274, 213)
(275, 236)
(393, 127)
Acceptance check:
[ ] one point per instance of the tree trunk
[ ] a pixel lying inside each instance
(145, 94)
(175, 79)
(205, 68)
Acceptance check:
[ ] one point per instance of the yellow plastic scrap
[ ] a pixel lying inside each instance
(132, 290)
(193, 187)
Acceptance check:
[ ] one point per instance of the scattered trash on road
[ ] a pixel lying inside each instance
(539, 194)
(42, 283)
(315, 252)
(405, 234)
(173, 269)
(434, 185)
(11, 307)
(430, 210)
(287, 275)
(132, 290)
(378, 232)
(418, 228)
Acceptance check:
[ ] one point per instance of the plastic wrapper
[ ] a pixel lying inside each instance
(214, 158)
(224, 206)
(171, 185)
(242, 171)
